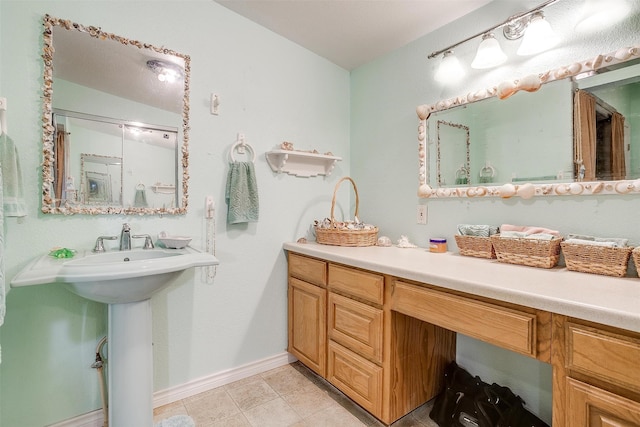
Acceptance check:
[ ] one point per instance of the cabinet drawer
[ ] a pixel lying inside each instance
(308, 269)
(590, 406)
(357, 326)
(511, 329)
(608, 356)
(359, 284)
(356, 377)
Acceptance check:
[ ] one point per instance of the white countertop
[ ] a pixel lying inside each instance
(608, 300)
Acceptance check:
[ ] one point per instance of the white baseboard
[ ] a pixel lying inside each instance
(209, 382)
(191, 388)
(90, 419)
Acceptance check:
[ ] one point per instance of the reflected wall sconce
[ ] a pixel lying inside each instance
(535, 31)
(166, 71)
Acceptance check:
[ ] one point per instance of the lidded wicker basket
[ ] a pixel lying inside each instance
(340, 236)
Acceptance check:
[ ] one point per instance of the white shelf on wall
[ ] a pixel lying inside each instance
(300, 163)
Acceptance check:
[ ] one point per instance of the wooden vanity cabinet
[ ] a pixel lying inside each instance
(384, 341)
(387, 362)
(596, 375)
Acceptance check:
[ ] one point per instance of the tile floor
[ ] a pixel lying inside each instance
(288, 396)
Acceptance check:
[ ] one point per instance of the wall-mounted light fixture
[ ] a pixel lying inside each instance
(536, 33)
(530, 25)
(166, 71)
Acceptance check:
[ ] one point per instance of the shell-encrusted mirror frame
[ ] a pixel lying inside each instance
(48, 202)
(505, 89)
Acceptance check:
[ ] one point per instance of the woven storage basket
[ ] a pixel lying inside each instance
(523, 251)
(341, 237)
(635, 254)
(476, 246)
(596, 259)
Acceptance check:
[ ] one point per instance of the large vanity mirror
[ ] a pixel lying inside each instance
(115, 124)
(574, 130)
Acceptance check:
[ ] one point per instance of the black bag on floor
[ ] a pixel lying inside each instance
(467, 401)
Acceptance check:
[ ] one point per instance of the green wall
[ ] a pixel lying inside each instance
(270, 89)
(384, 152)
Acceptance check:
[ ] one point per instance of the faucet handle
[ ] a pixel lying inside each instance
(148, 243)
(100, 243)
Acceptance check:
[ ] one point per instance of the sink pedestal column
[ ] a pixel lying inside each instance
(130, 365)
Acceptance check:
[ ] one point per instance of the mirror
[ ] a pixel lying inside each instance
(115, 124)
(534, 143)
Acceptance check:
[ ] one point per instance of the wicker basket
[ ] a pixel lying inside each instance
(596, 259)
(475, 246)
(635, 254)
(523, 251)
(343, 237)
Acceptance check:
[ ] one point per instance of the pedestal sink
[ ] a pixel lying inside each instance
(125, 280)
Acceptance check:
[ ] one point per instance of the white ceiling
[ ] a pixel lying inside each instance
(350, 33)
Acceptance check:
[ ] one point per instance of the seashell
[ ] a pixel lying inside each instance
(636, 185)
(443, 192)
(384, 241)
(424, 191)
(596, 62)
(562, 189)
(544, 76)
(623, 53)
(598, 187)
(507, 190)
(574, 68)
(506, 89)
(623, 187)
(560, 73)
(421, 128)
(576, 188)
(423, 112)
(526, 191)
(530, 83)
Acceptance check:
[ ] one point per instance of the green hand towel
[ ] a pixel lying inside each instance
(12, 185)
(242, 193)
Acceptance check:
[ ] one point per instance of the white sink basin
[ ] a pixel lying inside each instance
(114, 277)
(125, 280)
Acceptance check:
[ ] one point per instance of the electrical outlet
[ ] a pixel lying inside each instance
(422, 214)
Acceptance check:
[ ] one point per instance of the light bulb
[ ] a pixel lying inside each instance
(538, 36)
(489, 53)
(450, 69)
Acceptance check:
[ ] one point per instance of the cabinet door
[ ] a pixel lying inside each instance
(356, 377)
(308, 325)
(589, 406)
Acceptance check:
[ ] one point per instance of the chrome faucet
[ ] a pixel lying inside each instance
(125, 237)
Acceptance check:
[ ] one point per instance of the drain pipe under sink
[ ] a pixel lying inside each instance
(99, 366)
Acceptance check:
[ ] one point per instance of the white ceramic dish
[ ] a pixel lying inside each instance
(174, 242)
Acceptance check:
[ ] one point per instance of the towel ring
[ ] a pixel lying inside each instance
(240, 146)
(487, 172)
(461, 172)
